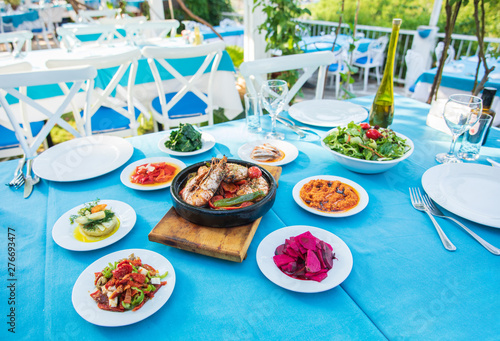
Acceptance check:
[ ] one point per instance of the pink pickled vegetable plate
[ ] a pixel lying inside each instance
(304, 259)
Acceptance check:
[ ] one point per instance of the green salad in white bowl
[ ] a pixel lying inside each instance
(367, 149)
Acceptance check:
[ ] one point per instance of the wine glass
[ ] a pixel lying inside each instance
(274, 93)
(460, 113)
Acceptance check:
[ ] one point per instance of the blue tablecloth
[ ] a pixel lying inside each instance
(224, 32)
(403, 285)
(17, 19)
(460, 75)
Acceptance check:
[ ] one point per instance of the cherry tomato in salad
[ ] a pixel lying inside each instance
(373, 134)
(364, 125)
(254, 172)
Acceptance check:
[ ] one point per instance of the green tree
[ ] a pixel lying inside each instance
(210, 10)
(413, 12)
(281, 31)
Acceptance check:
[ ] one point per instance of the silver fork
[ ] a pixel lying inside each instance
(19, 181)
(18, 173)
(434, 210)
(417, 202)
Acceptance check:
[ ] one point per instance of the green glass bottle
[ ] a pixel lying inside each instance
(487, 97)
(382, 112)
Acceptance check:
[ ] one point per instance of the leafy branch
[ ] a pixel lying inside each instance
(452, 7)
(479, 19)
(280, 26)
(282, 31)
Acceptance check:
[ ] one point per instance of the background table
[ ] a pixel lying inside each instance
(17, 18)
(325, 43)
(403, 285)
(232, 35)
(458, 77)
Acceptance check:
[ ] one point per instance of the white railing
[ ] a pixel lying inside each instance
(465, 45)
(405, 40)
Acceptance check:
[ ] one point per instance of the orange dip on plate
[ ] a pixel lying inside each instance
(329, 196)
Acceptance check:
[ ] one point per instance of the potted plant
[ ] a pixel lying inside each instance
(282, 32)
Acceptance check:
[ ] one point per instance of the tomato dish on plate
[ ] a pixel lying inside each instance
(126, 284)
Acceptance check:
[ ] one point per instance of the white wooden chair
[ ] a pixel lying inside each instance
(18, 39)
(415, 66)
(109, 115)
(336, 68)
(88, 16)
(439, 52)
(42, 27)
(189, 104)
(101, 34)
(13, 84)
(150, 32)
(255, 72)
(9, 144)
(372, 58)
(121, 21)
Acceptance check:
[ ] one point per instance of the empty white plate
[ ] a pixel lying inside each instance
(82, 158)
(327, 113)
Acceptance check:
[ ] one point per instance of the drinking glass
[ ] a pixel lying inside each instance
(460, 113)
(274, 93)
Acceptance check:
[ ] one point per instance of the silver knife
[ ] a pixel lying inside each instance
(28, 184)
(295, 129)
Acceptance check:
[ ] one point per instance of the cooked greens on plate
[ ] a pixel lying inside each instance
(363, 141)
(184, 139)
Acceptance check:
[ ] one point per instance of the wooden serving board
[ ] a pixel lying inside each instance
(226, 243)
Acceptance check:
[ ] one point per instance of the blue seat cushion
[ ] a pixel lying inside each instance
(188, 106)
(363, 60)
(107, 119)
(8, 137)
(335, 67)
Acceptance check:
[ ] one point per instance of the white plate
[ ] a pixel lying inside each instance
(125, 176)
(327, 113)
(83, 158)
(62, 232)
(341, 266)
(207, 143)
(363, 196)
(468, 190)
(291, 152)
(87, 308)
